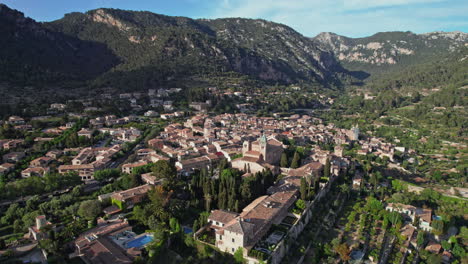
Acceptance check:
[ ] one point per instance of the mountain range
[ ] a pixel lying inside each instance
(127, 48)
(391, 50)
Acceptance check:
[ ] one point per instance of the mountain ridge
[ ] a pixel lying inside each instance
(113, 47)
(388, 50)
(171, 47)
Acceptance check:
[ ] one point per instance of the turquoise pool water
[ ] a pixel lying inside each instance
(187, 230)
(140, 242)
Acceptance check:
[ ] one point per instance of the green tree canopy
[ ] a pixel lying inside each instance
(90, 209)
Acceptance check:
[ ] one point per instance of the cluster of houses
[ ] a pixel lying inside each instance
(86, 161)
(8, 144)
(10, 158)
(89, 160)
(111, 120)
(256, 227)
(418, 220)
(157, 97)
(249, 143)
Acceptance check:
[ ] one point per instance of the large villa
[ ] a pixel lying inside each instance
(111, 243)
(243, 230)
(262, 226)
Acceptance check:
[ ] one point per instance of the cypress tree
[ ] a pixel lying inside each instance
(326, 169)
(284, 160)
(296, 161)
(303, 189)
(222, 200)
(208, 202)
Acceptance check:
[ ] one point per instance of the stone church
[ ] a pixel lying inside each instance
(259, 155)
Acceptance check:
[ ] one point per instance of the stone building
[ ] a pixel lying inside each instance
(259, 155)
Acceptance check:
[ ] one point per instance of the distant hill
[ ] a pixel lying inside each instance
(389, 51)
(451, 70)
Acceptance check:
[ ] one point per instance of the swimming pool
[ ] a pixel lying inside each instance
(139, 241)
(187, 230)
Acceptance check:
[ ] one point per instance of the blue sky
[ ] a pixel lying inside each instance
(354, 18)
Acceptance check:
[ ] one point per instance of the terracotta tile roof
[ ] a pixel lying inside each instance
(7, 165)
(113, 209)
(252, 153)
(274, 142)
(38, 170)
(433, 247)
(140, 190)
(306, 169)
(289, 183)
(76, 167)
(103, 251)
(241, 226)
(249, 159)
(222, 216)
(424, 214)
(268, 210)
(135, 165)
(408, 231)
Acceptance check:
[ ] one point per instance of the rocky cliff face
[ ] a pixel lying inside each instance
(391, 48)
(279, 44)
(259, 48)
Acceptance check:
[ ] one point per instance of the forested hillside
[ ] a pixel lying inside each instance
(30, 53)
(386, 52)
(451, 70)
(147, 49)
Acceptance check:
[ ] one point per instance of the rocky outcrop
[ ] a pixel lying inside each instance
(101, 16)
(390, 48)
(262, 49)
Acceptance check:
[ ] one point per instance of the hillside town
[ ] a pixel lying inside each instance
(234, 132)
(123, 163)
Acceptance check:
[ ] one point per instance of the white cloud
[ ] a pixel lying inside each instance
(350, 17)
(362, 4)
